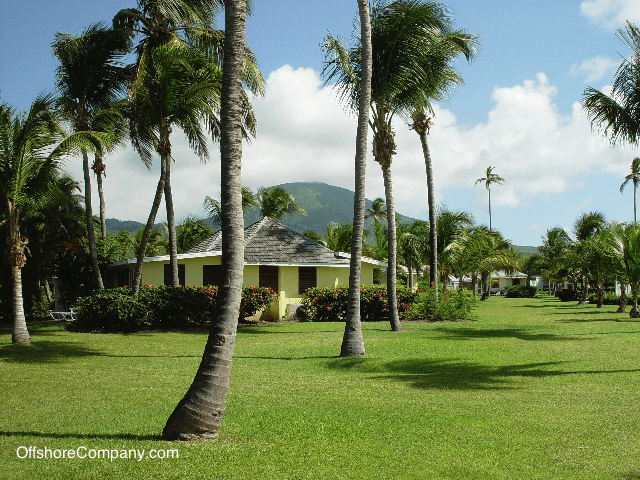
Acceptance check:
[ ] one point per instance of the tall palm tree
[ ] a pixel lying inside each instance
(199, 413)
(451, 226)
(90, 78)
(190, 232)
(213, 207)
(625, 244)
(554, 248)
(618, 114)
(634, 178)
(401, 74)
(28, 180)
(488, 179)
(186, 28)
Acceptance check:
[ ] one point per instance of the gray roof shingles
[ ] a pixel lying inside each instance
(268, 241)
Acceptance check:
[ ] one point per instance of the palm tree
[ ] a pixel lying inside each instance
(213, 207)
(634, 178)
(183, 27)
(451, 226)
(488, 179)
(625, 245)
(554, 247)
(339, 237)
(277, 203)
(199, 413)
(401, 74)
(584, 228)
(377, 211)
(89, 79)
(28, 180)
(618, 114)
(190, 232)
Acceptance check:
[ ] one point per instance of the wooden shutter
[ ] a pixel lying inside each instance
(167, 274)
(211, 275)
(269, 277)
(306, 279)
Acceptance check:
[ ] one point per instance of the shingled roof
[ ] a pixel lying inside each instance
(268, 241)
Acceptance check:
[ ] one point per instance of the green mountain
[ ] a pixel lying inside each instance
(323, 204)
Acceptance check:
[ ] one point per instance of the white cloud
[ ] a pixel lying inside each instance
(304, 135)
(611, 13)
(594, 68)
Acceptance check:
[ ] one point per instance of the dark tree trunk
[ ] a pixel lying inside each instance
(98, 168)
(171, 224)
(352, 340)
(433, 229)
(600, 295)
(392, 301)
(623, 299)
(165, 157)
(199, 413)
(91, 236)
(585, 288)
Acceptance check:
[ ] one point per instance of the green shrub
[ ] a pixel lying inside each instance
(520, 291)
(568, 295)
(329, 304)
(452, 305)
(160, 307)
(610, 298)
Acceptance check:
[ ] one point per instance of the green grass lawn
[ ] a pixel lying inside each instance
(534, 388)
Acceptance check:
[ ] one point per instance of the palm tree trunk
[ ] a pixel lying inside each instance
(623, 298)
(137, 274)
(20, 334)
(199, 413)
(98, 168)
(634, 313)
(392, 301)
(91, 235)
(433, 232)
(585, 288)
(634, 205)
(352, 340)
(171, 225)
(489, 190)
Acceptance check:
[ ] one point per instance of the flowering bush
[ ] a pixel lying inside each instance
(161, 306)
(329, 304)
(452, 305)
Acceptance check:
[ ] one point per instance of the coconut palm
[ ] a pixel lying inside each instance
(618, 114)
(199, 413)
(451, 226)
(377, 211)
(634, 178)
(190, 232)
(277, 203)
(185, 28)
(213, 208)
(584, 228)
(28, 180)
(554, 248)
(401, 74)
(488, 179)
(90, 78)
(624, 243)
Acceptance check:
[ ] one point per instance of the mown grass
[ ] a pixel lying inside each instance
(532, 389)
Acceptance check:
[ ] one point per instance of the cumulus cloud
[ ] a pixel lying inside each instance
(305, 135)
(594, 68)
(611, 13)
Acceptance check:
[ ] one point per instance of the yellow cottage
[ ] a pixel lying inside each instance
(275, 257)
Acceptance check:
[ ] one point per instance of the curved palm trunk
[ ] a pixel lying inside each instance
(98, 168)
(171, 224)
(352, 340)
(433, 232)
(392, 301)
(165, 158)
(91, 235)
(199, 413)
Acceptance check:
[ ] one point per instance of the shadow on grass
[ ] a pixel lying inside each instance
(97, 436)
(519, 333)
(321, 357)
(631, 476)
(429, 374)
(43, 352)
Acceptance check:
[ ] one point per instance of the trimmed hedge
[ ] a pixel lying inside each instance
(329, 304)
(520, 291)
(116, 310)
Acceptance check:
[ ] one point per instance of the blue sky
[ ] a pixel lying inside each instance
(517, 111)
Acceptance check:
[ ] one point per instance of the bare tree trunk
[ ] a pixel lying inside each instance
(98, 168)
(433, 232)
(20, 334)
(199, 413)
(585, 288)
(352, 340)
(392, 301)
(91, 235)
(47, 290)
(634, 313)
(137, 274)
(489, 189)
(171, 226)
(623, 298)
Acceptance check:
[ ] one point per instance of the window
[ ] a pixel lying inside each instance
(124, 277)
(269, 277)
(516, 281)
(211, 275)
(167, 274)
(306, 279)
